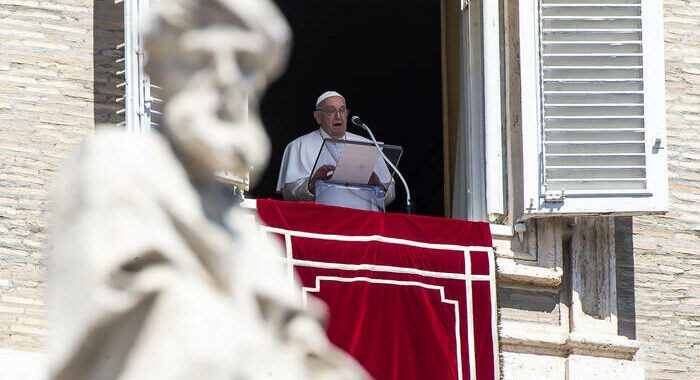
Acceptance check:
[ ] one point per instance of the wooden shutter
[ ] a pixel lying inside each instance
(593, 122)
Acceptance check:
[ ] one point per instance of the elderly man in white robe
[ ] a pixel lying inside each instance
(300, 155)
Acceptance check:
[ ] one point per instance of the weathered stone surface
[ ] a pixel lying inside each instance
(535, 367)
(46, 71)
(587, 368)
(665, 276)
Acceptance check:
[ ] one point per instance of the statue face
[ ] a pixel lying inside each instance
(210, 75)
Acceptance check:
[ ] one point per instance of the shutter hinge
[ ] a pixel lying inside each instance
(464, 4)
(554, 196)
(657, 145)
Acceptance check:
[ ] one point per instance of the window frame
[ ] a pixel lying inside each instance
(138, 101)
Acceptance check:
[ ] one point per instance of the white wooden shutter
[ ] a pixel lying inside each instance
(593, 106)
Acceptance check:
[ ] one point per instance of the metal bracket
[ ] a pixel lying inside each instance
(657, 144)
(554, 196)
(520, 229)
(464, 4)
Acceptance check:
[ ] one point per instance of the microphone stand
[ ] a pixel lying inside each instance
(409, 206)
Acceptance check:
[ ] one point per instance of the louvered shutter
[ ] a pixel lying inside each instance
(593, 106)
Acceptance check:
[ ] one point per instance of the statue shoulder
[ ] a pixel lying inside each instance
(114, 162)
(112, 149)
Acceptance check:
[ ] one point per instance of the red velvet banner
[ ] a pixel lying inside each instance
(410, 297)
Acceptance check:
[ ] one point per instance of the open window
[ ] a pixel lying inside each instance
(593, 111)
(591, 105)
(473, 128)
(388, 66)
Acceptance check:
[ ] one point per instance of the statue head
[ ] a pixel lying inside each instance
(212, 60)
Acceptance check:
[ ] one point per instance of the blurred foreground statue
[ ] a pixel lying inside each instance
(155, 274)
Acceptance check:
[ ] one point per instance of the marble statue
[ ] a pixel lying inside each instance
(155, 273)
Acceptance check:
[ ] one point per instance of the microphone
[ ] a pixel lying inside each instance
(357, 121)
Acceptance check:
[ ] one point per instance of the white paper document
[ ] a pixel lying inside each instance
(356, 164)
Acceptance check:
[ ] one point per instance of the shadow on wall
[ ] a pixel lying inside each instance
(624, 251)
(108, 33)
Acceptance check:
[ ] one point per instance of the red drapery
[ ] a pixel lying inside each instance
(410, 297)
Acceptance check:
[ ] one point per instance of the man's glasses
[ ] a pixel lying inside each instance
(333, 111)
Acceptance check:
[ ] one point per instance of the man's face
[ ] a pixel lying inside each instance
(332, 116)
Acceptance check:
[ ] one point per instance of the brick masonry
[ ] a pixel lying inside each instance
(57, 65)
(667, 248)
(57, 80)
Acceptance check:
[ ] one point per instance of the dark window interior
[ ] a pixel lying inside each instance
(384, 57)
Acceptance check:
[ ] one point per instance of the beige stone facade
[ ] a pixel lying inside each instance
(59, 78)
(667, 248)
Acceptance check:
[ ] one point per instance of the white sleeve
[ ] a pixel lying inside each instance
(297, 191)
(390, 193)
(283, 169)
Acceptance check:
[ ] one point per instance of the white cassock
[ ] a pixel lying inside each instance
(299, 159)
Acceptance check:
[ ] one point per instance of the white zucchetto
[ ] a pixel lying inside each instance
(327, 95)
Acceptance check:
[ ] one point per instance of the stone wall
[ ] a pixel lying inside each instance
(666, 248)
(55, 68)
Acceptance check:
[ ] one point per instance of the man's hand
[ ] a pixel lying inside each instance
(321, 173)
(374, 180)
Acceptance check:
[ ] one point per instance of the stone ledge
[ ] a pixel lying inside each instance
(509, 270)
(557, 342)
